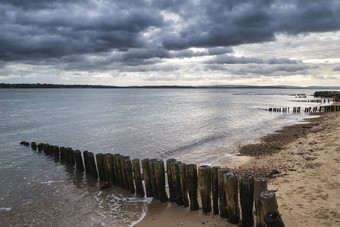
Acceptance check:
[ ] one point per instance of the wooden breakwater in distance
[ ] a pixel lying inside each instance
(315, 109)
(221, 191)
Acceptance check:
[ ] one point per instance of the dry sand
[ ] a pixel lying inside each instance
(302, 163)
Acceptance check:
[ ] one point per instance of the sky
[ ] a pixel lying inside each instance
(170, 42)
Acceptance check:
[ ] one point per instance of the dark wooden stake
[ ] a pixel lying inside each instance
(118, 170)
(191, 172)
(146, 176)
(231, 186)
(177, 182)
(128, 169)
(109, 168)
(170, 180)
(101, 166)
(260, 185)
(34, 146)
(62, 154)
(204, 183)
(247, 199)
(214, 187)
(40, 147)
(160, 180)
(183, 181)
(221, 192)
(92, 165)
(78, 159)
(138, 177)
(153, 178)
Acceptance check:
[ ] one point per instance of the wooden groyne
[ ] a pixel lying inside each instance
(221, 191)
(295, 110)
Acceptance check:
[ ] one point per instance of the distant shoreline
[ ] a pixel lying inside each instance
(82, 86)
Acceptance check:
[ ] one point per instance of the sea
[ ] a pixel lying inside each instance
(198, 125)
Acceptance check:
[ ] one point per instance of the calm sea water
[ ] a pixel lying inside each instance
(192, 125)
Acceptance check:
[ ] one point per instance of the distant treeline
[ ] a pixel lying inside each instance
(39, 85)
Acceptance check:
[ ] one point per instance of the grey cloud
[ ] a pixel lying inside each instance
(228, 59)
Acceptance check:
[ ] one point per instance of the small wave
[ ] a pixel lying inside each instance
(194, 144)
(5, 208)
(50, 182)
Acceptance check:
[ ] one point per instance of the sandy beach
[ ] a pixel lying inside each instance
(303, 165)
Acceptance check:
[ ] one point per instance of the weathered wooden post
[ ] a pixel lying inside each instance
(183, 181)
(78, 159)
(191, 171)
(247, 199)
(124, 174)
(40, 147)
(62, 154)
(70, 156)
(268, 202)
(34, 146)
(92, 165)
(46, 148)
(147, 179)
(231, 187)
(128, 169)
(260, 185)
(160, 180)
(56, 153)
(204, 183)
(109, 168)
(101, 166)
(170, 180)
(138, 177)
(214, 187)
(273, 219)
(86, 162)
(221, 192)
(153, 178)
(177, 182)
(118, 170)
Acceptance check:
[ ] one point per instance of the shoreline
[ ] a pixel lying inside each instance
(301, 161)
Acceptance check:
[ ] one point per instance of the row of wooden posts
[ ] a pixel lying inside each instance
(219, 188)
(331, 108)
(315, 100)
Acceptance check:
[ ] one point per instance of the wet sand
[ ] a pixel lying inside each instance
(302, 162)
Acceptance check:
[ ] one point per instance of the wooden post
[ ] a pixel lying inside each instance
(128, 169)
(124, 174)
(247, 199)
(183, 181)
(109, 168)
(62, 154)
(138, 177)
(40, 147)
(118, 170)
(147, 179)
(170, 180)
(221, 192)
(70, 157)
(191, 172)
(214, 188)
(231, 187)
(46, 148)
(153, 178)
(56, 153)
(92, 165)
(101, 166)
(177, 182)
(260, 185)
(204, 183)
(34, 146)
(86, 162)
(273, 219)
(160, 180)
(268, 202)
(78, 159)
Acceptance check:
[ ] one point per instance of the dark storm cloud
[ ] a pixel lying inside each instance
(143, 32)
